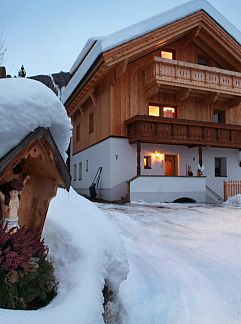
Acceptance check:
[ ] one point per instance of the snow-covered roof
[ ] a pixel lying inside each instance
(26, 105)
(95, 46)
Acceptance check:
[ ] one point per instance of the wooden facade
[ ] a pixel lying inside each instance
(128, 78)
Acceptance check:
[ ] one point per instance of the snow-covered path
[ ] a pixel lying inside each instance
(185, 263)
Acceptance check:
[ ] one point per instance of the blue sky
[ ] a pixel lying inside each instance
(46, 36)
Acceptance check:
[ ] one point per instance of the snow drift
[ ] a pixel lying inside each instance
(26, 105)
(234, 201)
(86, 250)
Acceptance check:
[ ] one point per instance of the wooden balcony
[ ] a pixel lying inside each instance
(192, 76)
(148, 129)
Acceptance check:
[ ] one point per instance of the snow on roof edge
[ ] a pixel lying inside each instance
(93, 49)
(84, 52)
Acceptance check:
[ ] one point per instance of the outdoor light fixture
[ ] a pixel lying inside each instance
(157, 154)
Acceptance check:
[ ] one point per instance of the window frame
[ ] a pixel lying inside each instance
(148, 165)
(161, 112)
(222, 114)
(75, 172)
(220, 174)
(80, 171)
(203, 57)
(169, 50)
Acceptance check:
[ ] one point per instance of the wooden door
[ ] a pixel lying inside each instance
(170, 165)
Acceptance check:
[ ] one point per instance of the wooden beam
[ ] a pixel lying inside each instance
(191, 35)
(81, 111)
(152, 91)
(183, 95)
(200, 155)
(121, 68)
(138, 158)
(93, 98)
(212, 98)
(234, 102)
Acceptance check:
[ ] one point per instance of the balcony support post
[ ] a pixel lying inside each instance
(138, 158)
(200, 155)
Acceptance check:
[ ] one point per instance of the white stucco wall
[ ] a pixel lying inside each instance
(190, 156)
(186, 156)
(118, 160)
(167, 189)
(233, 168)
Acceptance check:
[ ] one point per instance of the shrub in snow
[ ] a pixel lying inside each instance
(27, 278)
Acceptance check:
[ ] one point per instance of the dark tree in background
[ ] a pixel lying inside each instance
(22, 73)
(2, 49)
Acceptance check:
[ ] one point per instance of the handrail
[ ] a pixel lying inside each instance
(213, 192)
(194, 76)
(183, 132)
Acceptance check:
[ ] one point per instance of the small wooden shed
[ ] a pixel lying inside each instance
(38, 156)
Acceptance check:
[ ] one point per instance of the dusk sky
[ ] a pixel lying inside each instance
(46, 36)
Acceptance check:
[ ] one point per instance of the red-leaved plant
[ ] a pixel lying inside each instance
(17, 248)
(27, 278)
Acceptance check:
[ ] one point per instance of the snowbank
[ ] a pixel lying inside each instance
(26, 105)
(234, 201)
(86, 250)
(185, 263)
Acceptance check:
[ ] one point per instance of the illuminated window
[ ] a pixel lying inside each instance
(169, 112)
(162, 111)
(147, 162)
(154, 111)
(168, 55)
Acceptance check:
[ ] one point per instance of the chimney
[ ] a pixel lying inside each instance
(3, 73)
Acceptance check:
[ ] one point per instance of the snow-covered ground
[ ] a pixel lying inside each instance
(185, 263)
(87, 251)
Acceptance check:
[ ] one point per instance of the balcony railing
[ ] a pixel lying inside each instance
(194, 76)
(148, 129)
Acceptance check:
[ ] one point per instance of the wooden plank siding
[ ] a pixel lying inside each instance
(231, 188)
(121, 93)
(101, 118)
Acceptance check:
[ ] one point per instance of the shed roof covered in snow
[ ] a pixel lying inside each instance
(96, 46)
(26, 105)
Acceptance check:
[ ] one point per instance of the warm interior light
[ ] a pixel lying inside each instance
(157, 154)
(167, 55)
(145, 161)
(169, 112)
(154, 111)
(171, 109)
